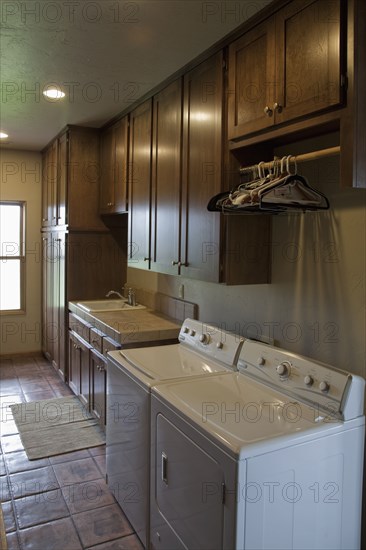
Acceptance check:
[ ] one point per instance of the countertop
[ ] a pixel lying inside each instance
(128, 327)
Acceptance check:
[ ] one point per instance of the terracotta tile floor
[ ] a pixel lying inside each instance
(57, 503)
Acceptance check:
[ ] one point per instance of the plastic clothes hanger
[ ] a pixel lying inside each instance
(293, 192)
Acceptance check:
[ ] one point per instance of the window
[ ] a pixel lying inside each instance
(12, 256)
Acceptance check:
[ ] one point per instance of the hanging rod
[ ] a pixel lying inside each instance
(314, 155)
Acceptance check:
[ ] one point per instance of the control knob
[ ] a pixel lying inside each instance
(186, 330)
(219, 345)
(205, 338)
(309, 380)
(284, 369)
(261, 361)
(324, 386)
(192, 332)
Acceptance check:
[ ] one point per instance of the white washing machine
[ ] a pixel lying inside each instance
(269, 457)
(202, 351)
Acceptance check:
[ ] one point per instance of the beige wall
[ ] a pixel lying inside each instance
(21, 180)
(315, 304)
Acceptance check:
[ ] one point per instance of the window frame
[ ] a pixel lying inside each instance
(21, 257)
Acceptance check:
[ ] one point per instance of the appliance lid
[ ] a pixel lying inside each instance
(168, 362)
(241, 414)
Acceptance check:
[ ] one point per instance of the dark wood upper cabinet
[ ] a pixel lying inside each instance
(166, 179)
(114, 165)
(170, 229)
(140, 186)
(49, 185)
(71, 179)
(214, 247)
(308, 58)
(202, 169)
(252, 77)
(289, 66)
(63, 163)
(107, 170)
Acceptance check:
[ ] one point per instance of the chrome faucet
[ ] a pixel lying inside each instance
(114, 292)
(131, 297)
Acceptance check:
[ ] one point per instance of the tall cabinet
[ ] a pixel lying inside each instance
(81, 259)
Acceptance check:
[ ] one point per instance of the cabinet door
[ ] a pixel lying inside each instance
(52, 192)
(252, 81)
(74, 363)
(98, 386)
(121, 165)
(140, 186)
(79, 367)
(83, 185)
(59, 245)
(202, 169)
(308, 50)
(62, 179)
(166, 179)
(49, 185)
(107, 157)
(84, 350)
(47, 285)
(45, 176)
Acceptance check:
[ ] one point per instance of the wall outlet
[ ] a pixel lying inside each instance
(181, 292)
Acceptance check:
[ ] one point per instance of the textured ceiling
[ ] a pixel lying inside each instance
(104, 55)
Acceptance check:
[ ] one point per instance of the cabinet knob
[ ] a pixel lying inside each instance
(268, 111)
(147, 259)
(175, 263)
(277, 107)
(110, 204)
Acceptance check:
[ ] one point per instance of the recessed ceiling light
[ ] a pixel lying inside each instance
(3, 135)
(54, 93)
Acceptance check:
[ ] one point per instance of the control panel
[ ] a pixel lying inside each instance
(211, 341)
(302, 378)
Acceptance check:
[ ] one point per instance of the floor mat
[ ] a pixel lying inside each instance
(55, 426)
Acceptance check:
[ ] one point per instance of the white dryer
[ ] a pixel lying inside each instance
(269, 457)
(202, 350)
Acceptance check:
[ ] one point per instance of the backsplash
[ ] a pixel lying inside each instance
(167, 305)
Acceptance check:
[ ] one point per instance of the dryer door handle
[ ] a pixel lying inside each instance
(164, 468)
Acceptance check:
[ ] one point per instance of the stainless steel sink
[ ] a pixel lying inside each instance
(108, 305)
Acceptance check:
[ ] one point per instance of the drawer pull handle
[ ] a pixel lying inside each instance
(164, 468)
(180, 264)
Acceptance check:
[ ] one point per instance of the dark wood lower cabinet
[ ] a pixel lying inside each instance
(79, 368)
(88, 366)
(98, 364)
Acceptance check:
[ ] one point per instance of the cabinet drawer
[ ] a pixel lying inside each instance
(110, 345)
(81, 327)
(96, 339)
